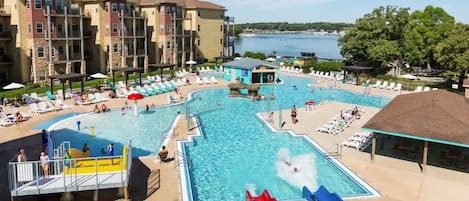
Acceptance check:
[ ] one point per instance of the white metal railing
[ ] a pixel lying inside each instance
(28, 178)
(60, 151)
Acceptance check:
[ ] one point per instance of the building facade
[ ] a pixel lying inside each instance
(39, 38)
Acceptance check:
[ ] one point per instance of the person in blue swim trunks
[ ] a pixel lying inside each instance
(110, 149)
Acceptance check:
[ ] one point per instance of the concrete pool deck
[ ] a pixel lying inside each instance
(395, 179)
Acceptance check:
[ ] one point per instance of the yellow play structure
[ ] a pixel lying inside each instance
(81, 163)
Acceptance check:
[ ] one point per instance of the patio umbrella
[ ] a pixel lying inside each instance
(270, 59)
(191, 62)
(135, 97)
(99, 76)
(13, 85)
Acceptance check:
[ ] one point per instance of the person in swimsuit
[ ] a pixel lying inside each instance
(110, 149)
(44, 164)
(293, 114)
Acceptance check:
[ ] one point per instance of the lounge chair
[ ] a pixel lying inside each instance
(418, 89)
(205, 80)
(213, 80)
(398, 87)
(377, 84)
(384, 85)
(426, 89)
(391, 86)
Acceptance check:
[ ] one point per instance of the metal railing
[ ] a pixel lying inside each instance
(29, 178)
(60, 151)
(5, 34)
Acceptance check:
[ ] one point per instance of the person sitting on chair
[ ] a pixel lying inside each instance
(164, 155)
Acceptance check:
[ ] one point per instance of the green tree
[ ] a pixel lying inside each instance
(255, 55)
(426, 29)
(453, 51)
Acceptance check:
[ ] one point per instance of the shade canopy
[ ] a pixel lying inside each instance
(135, 96)
(191, 62)
(435, 116)
(409, 76)
(13, 85)
(99, 76)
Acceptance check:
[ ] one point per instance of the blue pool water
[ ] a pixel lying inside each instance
(236, 148)
(50, 122)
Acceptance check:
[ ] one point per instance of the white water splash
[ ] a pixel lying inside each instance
(297, 171)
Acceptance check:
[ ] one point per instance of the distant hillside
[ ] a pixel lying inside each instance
(285, 26)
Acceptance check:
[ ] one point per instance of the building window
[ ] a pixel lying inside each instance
(168, 45)
(221, 27)
(58, 5)
(198, 27)
(39, 27)
(27, 3)
(198, 13)
(38, 3)
(1, 27)
(115, 28)
(59, 28)
(161, 28)
(106, 8)
(29, 28)
(2, 51)
(198, 42)
(61, 50)
(168, 10)
(168, 28)
(121, 6)
(114, 7)
(221, 40)
(52, 51)
(116, 47)
(48, 3)
(40, 52)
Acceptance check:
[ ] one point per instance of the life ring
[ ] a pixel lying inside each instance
(270, 78)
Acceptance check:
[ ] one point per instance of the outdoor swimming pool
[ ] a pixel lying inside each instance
(236, 147)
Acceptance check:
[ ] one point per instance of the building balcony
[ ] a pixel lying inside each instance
(139, 52)
(128, 14)
(61, 12)
(130, 34)
(63, 58)
(6, 35)
(61, 35)
(5, 11)
(5, 60)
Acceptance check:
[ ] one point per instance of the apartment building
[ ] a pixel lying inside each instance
(39, 38)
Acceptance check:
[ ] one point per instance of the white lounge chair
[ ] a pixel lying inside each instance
(426, 89)
(384, 85)
(198, 80)
(377, 84)
(391, 86)
(213, 80)
(205, 80)
(418, 89)
(398, 87)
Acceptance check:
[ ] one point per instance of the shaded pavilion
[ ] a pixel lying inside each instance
(67, 77)
(357, 70)
(162, 67)
(439, 117)
(126, 72)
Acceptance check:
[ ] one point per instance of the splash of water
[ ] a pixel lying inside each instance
(297, 171)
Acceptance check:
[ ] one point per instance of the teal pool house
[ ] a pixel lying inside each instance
(250, 71)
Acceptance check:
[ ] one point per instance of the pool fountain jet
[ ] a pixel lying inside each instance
(297, 171)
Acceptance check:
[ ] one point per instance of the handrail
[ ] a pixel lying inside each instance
(28, 178)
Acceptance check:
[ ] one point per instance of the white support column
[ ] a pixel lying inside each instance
(123, 52)
(83, 63)
(145, 62)
(67, 52)
(49, 36)
(183, 55)
(425, 155)
(175, 49)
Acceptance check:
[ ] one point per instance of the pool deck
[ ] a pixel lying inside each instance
(393, 178)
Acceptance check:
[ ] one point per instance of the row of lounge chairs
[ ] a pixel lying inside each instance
(182, 73)
(8, 119)
(422, 89)
(47, 106)
(386, 85)
(205, 80)
(326, 75)
(359, 141)
(89, 99)
(291, 70)
(204, 69)
(338, 123)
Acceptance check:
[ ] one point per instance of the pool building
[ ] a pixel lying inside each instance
(250, 71)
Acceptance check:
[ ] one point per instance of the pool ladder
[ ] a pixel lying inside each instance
(181, 159)
(337, 153)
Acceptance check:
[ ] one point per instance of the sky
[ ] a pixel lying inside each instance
(328, 10)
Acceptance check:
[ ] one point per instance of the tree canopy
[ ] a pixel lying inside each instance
(285, 26)
(391, 37)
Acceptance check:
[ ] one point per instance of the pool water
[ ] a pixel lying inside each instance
(236, 147)
(50, 122)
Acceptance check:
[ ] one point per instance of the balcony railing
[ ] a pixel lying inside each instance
(61, 11)
(75, 56)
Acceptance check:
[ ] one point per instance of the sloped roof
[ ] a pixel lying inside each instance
(248, 63)
(203, 4)
(438, 116)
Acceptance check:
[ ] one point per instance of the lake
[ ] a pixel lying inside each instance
(325, 46)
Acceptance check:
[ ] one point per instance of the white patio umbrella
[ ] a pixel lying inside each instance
(409, 76)
(13, 85)
(270, 59)
(191, 62)
(99, 76)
